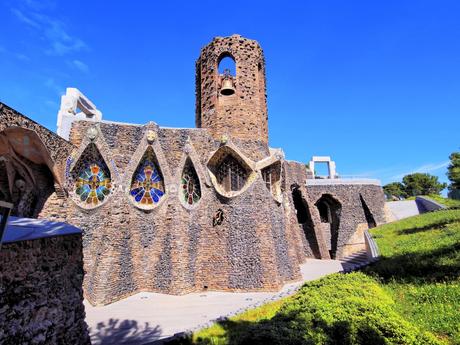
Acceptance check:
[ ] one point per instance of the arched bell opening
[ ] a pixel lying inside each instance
(226, 67)
(302, 212)
(91, 180)
(147, 184)
(190, 188)
(329, 211)
(27, 173)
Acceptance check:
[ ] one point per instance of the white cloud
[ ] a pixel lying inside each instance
(81, 66)
(426, 168)
(59, 40)
(25, 19)
(23, 57)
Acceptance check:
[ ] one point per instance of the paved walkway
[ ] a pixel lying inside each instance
(403, 209)
(146, 317)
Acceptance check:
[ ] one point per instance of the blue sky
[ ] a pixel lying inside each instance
(374, 84)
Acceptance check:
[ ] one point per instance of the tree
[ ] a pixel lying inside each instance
(394, 189)
(422, 184)
(453, 171)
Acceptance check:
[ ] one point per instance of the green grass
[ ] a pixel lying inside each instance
(410, 296)
(444, 201)
(420, 269)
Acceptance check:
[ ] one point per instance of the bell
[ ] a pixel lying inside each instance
(227, 87)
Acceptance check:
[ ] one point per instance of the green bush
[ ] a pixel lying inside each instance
(338, 309)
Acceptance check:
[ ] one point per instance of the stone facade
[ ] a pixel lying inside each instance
(210, 208)
(41, 296)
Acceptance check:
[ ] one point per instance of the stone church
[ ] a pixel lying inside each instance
(179, 210)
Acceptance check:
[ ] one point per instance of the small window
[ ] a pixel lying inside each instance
(272, 178)
(190, 184)
(231, 175)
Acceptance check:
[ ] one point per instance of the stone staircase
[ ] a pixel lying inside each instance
(355, 261)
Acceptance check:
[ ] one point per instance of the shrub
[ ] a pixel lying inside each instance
(339, 309)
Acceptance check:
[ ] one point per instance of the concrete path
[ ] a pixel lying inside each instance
(146, 317)
(403, 209)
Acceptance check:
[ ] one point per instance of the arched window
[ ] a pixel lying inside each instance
(231, 174)
(190, 184)
(91, 177)
(147, 186)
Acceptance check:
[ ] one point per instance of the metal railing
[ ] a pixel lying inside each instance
(371, 246)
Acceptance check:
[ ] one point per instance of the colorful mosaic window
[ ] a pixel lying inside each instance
(147, 186)
(231, 175)
(190, 184)
(93, 184)
(91, 178)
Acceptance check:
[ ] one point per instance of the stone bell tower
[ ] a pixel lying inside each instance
(232, 105)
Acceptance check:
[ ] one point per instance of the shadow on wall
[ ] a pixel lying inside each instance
(330, 211)
(115, 331)
(304, 220)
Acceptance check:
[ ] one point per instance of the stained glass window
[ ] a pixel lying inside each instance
(231, 175)
(190, 184)
(91, 176)
(147, 186)
(93, 184)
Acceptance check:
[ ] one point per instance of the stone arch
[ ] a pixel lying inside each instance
(190, 185)
(147, 185)
(305, 221)
(226, 60)
(90, 178)
(330, 210)
(27, 171)
(231, 172)
(148, 152)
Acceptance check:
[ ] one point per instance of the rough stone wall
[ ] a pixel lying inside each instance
(41, 296)
(312, 239)
(46, 197)
(174, 248)
(242, 115)
(352, 216)
(58, 148)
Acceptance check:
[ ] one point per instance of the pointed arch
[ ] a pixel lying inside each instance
(190, 187)
(191, 177)
(231, 172)
(147, 183)
(90, 178)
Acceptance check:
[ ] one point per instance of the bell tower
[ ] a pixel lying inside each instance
(232, 105)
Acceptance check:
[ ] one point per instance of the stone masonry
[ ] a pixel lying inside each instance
(253, 218)
(41, 296)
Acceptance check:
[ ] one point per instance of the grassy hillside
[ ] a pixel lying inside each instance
(420, 269)
(411, 296)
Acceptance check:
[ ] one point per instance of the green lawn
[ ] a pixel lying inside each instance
(445, 201)
(410, 296)
(420, 269)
